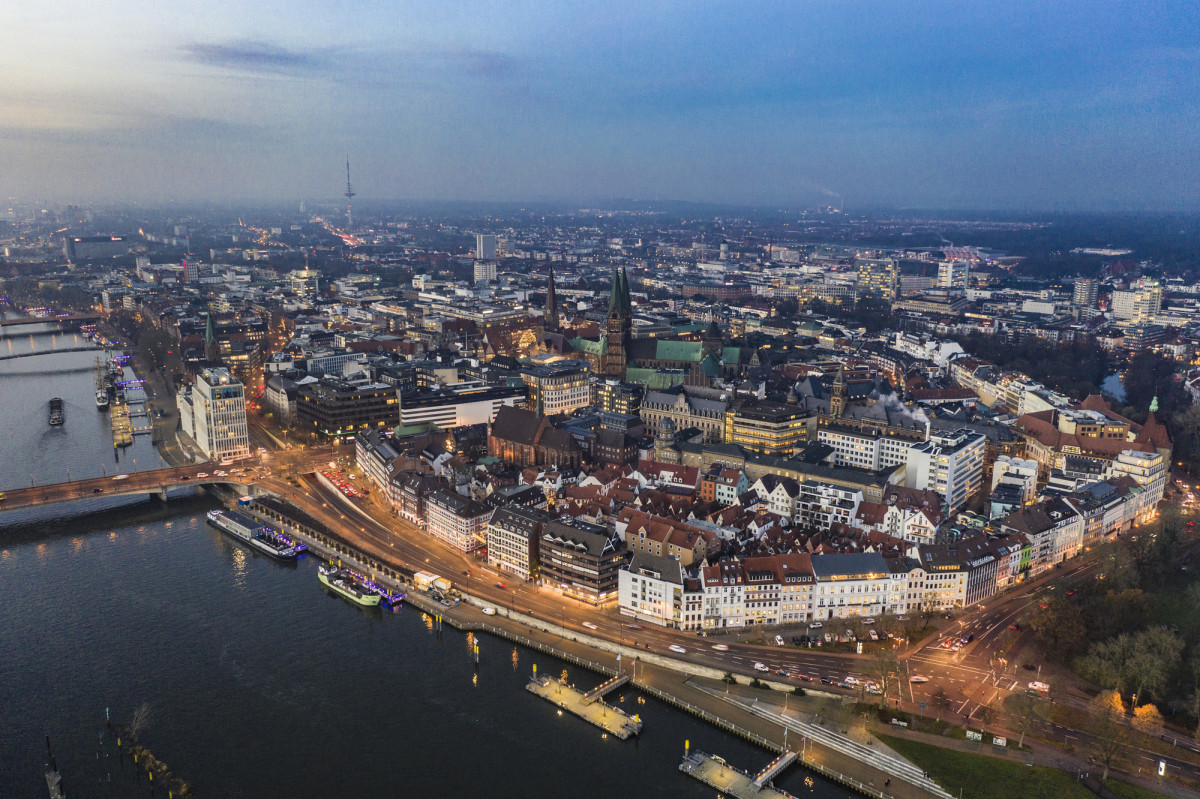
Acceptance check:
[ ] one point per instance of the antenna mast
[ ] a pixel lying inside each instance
(349, 195)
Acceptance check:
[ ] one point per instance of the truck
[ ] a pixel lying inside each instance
(442, 584)
(425, 580)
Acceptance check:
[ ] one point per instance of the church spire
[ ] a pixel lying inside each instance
(837, 395)
(550, 315)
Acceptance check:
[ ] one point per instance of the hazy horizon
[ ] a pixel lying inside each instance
(1012, 108)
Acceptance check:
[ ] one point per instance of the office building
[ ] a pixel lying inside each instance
(558, 387)
(770, 428)
(448, 408)
(213, 414)
(456, 520)
(338, 408)
(485, 246)
(512, 539)
(949, 463)
(485, 271)
(581, 560)
(953, 274)
(877, 278)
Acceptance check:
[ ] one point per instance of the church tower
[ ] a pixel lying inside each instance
(837, 395)
(618, 327)
(212, 351)
(550, 315)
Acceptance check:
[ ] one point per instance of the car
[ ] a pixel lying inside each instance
(918, 679)
(816, 625)
(220, 473)
(185, 477)
(827, 681)
(677, 648)
(869, 620)
(97, 490)
(845, 684)
(873, 689)
(850, 678)
(634, 626)
(957, 646)
(502, 585)
(779, 640)
(874, 635)
(966, 639)
(202, 474)
(806, 677)
(590, 625)
(761, 667)
(120, 477)
(1014, 626)
(782, 672)
(720, 647)
(489, 611)
(447, 603)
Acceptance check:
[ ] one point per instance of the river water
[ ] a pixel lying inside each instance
(259, 682)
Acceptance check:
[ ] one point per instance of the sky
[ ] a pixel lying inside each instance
(966, 105)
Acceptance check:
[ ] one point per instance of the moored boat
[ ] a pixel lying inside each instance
(101, 399)
(252, 533)
(348, 585)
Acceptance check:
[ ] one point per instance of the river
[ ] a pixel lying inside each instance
(259, 682)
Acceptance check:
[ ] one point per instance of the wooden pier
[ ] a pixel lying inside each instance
(716, 773)
(612, 720)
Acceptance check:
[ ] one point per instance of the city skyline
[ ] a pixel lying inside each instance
(1019, 107)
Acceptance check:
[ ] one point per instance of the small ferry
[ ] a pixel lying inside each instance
(348, 585)
(252, 533)
(102, 399)
(57, 414)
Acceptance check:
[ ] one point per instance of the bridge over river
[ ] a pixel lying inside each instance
(50, 320)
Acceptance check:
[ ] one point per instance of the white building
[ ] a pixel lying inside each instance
(950, 464)
(651, 590)
(953, 274)
(213, 414)
(451, 408)
(848, 585)
(485, 271)
(865, 449)
(459, 521)
(1020, 472)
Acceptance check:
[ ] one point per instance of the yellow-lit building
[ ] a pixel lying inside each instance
(769, 428)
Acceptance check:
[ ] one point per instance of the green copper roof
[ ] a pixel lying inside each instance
(679, 351)
(654, 378)
(588, 346)
(731, 355)
(692, 328)
(710, 366)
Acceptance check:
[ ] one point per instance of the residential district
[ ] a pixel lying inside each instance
(693, 424)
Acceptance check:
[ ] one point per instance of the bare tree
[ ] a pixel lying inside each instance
(1024, 709)
(885, 670)
(1107, 728)
(940, 701)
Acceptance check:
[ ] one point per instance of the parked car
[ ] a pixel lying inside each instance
(489, 611)
(816, 625)
(869, 620)
(874, 635)
(779, 640)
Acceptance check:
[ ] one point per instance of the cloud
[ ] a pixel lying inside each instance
(252, 55)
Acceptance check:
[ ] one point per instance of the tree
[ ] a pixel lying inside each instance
(1024, 709)
(940, 701)
(885, 670)
(1156, 654)
(1107, 728)
(1147, 719)
(1060, 628)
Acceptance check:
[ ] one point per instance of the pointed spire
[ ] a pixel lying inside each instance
(209, 334)
(1154, 405)
(550, 316)
(614, 296)
(626, 302)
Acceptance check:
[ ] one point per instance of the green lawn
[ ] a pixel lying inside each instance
(1128, 791)
(981, 777)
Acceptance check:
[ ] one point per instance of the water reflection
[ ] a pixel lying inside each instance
(239, 567)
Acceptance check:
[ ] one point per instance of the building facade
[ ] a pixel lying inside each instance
(213, 414)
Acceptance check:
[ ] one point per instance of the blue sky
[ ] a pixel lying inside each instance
(1004, 105)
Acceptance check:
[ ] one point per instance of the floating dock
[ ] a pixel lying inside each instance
(716, 773)
(612, 720)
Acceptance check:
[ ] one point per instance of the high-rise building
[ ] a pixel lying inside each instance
(953, 274)
(877, 277)
(304, 282)
(618, 327)
(485, 271)
(1085, 291)
(949, 463)
(1140, 304)
(213, 414)
(485, 246)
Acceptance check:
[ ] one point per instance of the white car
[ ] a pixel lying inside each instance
(874, 635)
(869, 620)
(851, 679)
(720, 647)
(761, 667)
(779, 640)
(917, 678)
(219, 473)
(489, 611)
(816, 625)
(202, 474)
(589, 625)
(677, 648)
(121, 477)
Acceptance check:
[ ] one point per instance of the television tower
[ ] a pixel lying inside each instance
(349, 195)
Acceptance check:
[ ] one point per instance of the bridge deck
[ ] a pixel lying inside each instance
(726, 779)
